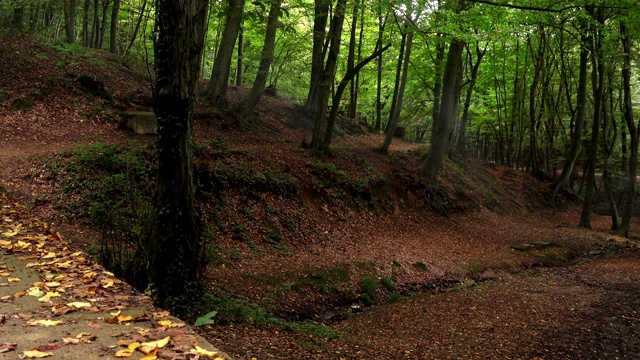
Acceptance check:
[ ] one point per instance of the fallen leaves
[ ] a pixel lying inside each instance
(46, 322)
(36, 354)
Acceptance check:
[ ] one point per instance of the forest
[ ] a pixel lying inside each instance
(488, 96)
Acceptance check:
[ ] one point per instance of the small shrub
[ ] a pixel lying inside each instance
(369, 288)
(388, 284)
(394, 297)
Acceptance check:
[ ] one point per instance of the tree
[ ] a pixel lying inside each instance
(247, 105)
(113, 37)
(69, 9)
(217, 88)
(321, 15)
(175, 250)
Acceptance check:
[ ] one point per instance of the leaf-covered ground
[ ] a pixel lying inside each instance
(483, 267)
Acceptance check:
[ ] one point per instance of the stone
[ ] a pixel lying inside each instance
(141, 122)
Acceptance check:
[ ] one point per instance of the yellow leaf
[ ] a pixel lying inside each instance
(83, 334)
(48, 296)
(78, 304)
(77, 253)
(46, 323)
(5, 242)
(64, 265)
(205, 353)
(148, 347)
(108, 284)
(34, 291)
(133, 346)
(52, 284)
(124, 318)
(149, 357)
(166, 323)
(115, 313)
(36, 354)
(124, 353)
(13, 279)
(50, 255)
(89, 275)
(70, 340)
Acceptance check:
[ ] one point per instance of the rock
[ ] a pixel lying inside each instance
(141, 122)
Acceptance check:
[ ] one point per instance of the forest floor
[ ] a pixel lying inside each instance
(483, 267)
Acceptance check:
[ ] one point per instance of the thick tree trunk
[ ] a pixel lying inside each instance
(327, 78)
(446, 117)
(113, 37)
(625, 226)
(393, 121)
(217, 89)
(175, 252)
(321, 17)
(247, 105)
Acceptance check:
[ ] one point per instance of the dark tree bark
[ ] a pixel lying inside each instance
(396, 84)
(534, 157)
(393, 120)
(217, 89)
(96, 24)
(175, 251)
(321, 17)
(69, 8)
(327, 77)
(446, 116)
(113, 38)
(103, 23)
(381, 24)
(437, 82)
(247, 105)
(625, 226)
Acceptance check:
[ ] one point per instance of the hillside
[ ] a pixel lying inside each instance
(356, 240)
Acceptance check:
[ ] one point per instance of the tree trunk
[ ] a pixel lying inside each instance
(576, 135)
(247, 105)
(69, 8)
(446, 116)
(396, 84)
(437, 82)
(240, 56)
(351, 59)
(103, 23)
(327, 77)
(137, 27)
(393, 121)
(381, 25)
(85, 24)
(461, 147)
(597, 78)
(217, 89)
(175, 251)
(113, 38)
(534, 160)
(340, 90)
(321, 15)
(96, 24)
(625, 226)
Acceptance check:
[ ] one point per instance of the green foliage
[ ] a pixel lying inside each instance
(206, 319)
(394, 297)
(369, 289)
(235, 310)
(388, 283)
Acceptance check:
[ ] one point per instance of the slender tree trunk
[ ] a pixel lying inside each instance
(96, 24)
(381, 25)
(327, 77)
(356, 82)
(351, 59)
(86, 39)
(240, 56)
(113, 38)
(340, 90)
(217, 89)
(393, 121)
(137, 27)
(396, 86)
(247, 105)
(597, 77)
(175, 251)
(69, 9)
(625, 226)
(446, 116)
(103, 23)
(462, 131)
(437, 82)
(534, 157)
(321, 16)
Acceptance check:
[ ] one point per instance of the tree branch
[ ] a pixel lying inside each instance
(534, 8)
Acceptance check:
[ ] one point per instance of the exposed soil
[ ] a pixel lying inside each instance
(486, 266)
